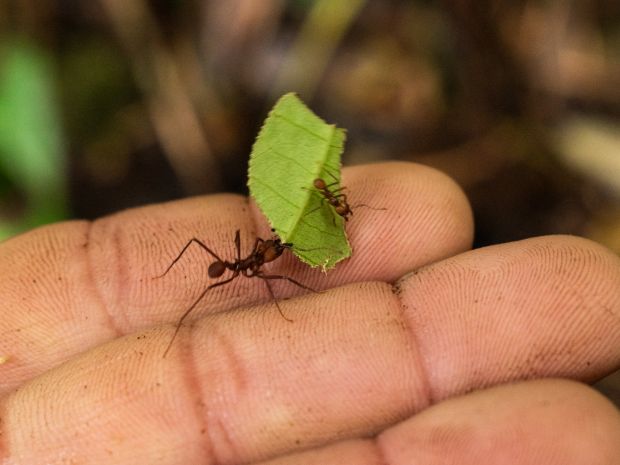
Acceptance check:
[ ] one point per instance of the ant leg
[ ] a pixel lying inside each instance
(343, 198)
(238, 245)
(278, 276)
(257, 242)
(319, 207)
(204, 247)
(331, 173)
(189, 310)
(323, 199)
(335, 190)
(275, 301)
(334, 218)
(314, 209)
(367, 206)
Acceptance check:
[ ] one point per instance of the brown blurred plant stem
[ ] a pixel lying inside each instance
(173, 115)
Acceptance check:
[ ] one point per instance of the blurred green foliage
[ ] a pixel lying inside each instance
(32, 154)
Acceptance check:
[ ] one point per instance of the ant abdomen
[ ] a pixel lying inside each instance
(216, 269)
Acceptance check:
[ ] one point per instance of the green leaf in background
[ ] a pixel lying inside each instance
(293, 148)
(31, 147)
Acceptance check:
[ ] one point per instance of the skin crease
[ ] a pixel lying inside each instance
(418, 350)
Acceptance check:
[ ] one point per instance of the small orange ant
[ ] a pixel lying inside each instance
(336, 198)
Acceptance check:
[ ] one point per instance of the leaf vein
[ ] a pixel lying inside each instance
(268, 187)
(312, 133)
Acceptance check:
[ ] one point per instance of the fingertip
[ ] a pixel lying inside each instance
(552, 421)
(427, 202)
(545, 306)
(418, 216)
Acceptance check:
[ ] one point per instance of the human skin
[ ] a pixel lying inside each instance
(417, 350)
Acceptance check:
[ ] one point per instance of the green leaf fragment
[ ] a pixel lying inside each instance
(293, 148)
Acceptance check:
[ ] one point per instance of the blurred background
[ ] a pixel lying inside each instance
(110, 104)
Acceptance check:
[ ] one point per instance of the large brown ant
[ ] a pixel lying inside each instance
(336, 198)
(264, 251)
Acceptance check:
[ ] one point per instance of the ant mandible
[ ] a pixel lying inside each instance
(263, 251)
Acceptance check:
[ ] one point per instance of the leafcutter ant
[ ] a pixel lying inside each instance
(336, 198)
(264, 251)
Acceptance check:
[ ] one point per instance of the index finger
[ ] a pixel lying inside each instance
(74, 285)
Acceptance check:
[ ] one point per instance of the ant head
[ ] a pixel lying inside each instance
(273, 250)
(216, 269)
(343, 210)
(319, 183)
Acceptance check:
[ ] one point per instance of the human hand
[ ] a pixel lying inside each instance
(469, 357)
